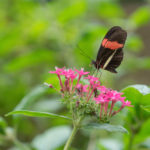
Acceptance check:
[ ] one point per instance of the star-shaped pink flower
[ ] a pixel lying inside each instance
(92, 79)
(83, 87)
(101, 99)
(126, 103)
(58, 71)
(81, 72)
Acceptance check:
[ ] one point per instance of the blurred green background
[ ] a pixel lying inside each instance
(37, 35)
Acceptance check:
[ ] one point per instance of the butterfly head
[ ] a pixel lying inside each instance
(94, 63)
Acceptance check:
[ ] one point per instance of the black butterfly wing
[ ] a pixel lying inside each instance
(108, 36)
(115, 61)
(112, 42)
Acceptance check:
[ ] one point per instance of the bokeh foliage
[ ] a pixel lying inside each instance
(37, 35)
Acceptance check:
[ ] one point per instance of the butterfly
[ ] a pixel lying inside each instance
(110, 53)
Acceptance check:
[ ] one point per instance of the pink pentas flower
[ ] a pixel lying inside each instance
(114, 95)
(102, 89)
(78, 86)
(122, 98)
(81, 72)
(126, 103)
(85, 88)
(111, 94)
(92, 79)
(73, 76)
(99, 100)
(69, 73)
(58, 71)
(102, 95)
(64, 72)
(82, 87)
(67, 84)
(108, 95)
(95, 85)
(102, 98)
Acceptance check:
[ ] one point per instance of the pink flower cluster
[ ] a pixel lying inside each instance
(108, 96)
(104, 97)
(70, 75)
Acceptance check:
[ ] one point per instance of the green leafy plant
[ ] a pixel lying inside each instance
(138, 118)
(84, 100)
(37, 35)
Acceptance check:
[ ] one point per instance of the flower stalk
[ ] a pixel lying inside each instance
(74, 131)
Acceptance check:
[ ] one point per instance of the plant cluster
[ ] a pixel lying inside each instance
(85, 95)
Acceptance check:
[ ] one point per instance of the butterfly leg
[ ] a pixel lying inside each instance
(100, 75)
(97, 71)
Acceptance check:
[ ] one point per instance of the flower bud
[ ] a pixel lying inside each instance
(49, 85)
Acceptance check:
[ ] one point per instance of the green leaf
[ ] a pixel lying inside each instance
(110, 144)
(28, 60)
(145, 63)
(135, 93)
(29, 99)
(10, 41)
(74, 10)
(144, 132)
(132, 94)
(3, 125)
(108, 9)
(47, 105)
(146, 108)
(141, 16)
(107, 127)
(145, 100)
(143, 89)
(146, 143)
(52, 138)
(138, 95)
(134, 43)
(36, 114)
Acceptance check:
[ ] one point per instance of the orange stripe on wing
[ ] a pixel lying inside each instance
(113, 45)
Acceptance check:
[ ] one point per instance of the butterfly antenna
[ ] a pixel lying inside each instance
(83, 53)
(100, 76)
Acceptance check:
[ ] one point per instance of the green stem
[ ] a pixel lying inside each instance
(74, 131)
(92, 141)
(20, 145)
(131, 141)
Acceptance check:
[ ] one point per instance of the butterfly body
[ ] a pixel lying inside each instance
(110, 54)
